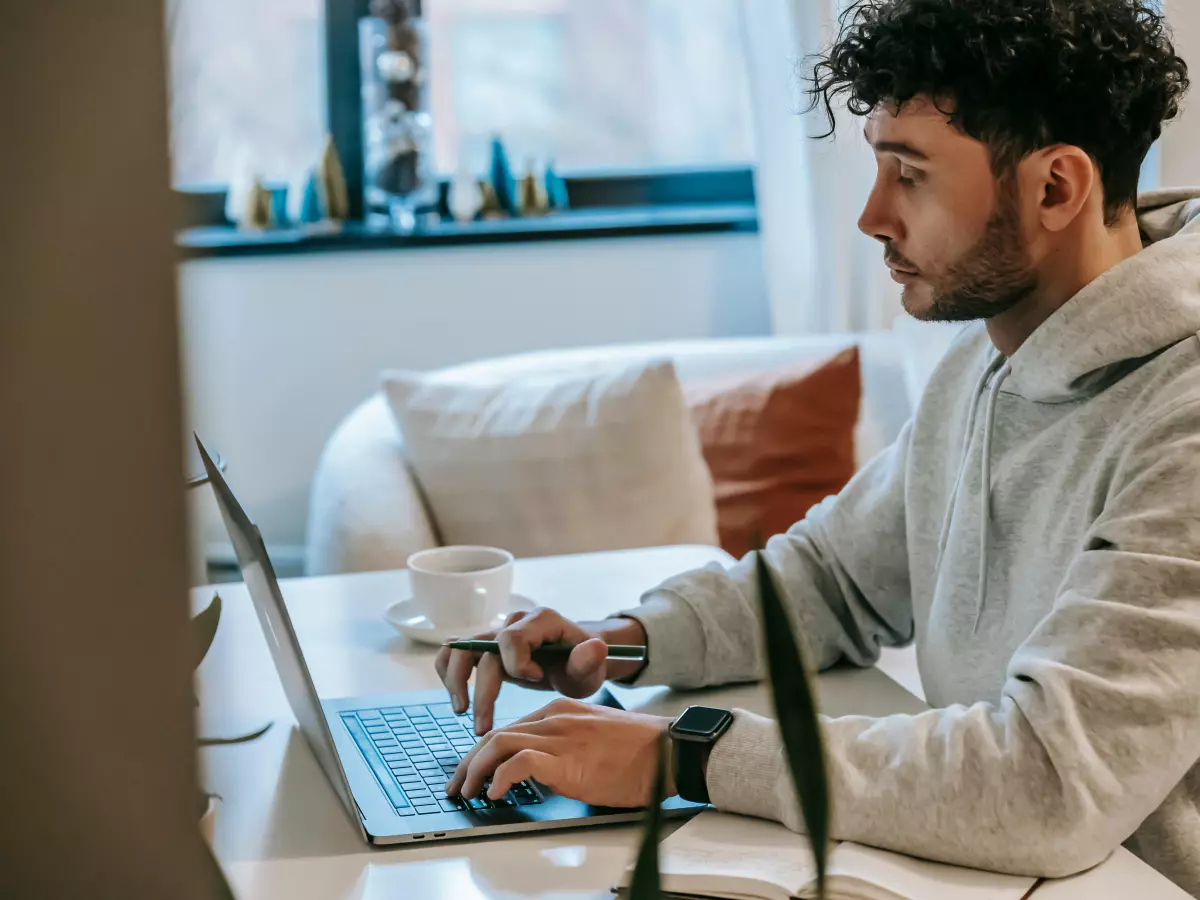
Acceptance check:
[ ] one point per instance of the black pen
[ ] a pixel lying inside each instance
(552, 651)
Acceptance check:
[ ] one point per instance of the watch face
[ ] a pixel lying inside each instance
(701, 721)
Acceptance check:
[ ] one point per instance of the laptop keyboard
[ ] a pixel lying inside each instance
(413, 751)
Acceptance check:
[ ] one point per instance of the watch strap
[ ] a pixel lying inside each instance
(690, 782)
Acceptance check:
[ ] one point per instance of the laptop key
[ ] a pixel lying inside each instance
(451, 805)
(477, 803)
(426, 810)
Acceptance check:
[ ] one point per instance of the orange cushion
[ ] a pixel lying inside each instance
(777, 443)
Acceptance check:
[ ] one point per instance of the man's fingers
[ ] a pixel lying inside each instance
(454, 785)
(542, 626)
(587, 660)
(516, 651)
(441, 663)
(458, 673)
(502, 747)
(489, 676)
(522, 766)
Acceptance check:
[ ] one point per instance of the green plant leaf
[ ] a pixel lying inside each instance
(645, 883)
(240, 739)
(204, 629)
(796, 712)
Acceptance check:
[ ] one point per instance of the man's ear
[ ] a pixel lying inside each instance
(1065, 179)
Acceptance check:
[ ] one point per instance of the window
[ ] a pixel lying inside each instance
(247, 88)
(590, 83)
(613, 84)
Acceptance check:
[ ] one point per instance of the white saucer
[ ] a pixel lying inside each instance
(416, 627)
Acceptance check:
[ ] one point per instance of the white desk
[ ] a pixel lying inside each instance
(281, 832)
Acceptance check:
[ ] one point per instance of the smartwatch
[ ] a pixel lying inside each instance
(692, 736)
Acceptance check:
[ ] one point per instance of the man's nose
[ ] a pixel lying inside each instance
(878, 219)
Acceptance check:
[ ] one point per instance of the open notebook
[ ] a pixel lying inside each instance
(718, 855)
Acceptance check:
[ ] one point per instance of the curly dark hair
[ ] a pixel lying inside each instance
(1018, 75)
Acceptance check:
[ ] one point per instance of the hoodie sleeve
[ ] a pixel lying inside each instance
(1098, 722)
(843, 572)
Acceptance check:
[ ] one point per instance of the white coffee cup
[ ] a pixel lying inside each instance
(461, 587)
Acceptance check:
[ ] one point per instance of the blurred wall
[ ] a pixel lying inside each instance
(1181, 142)
(97, 760)
(279, 349)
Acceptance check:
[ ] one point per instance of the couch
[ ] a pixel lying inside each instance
(366, 512)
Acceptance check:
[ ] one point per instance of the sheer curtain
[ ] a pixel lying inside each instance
(822, 274)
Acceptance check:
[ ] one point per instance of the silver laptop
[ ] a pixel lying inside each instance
(389, 757)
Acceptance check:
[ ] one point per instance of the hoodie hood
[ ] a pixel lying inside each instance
(1144, 305)
(1131, 312)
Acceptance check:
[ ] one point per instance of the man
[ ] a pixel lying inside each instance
(1036, 526)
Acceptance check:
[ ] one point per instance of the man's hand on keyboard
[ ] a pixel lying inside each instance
(602, 756)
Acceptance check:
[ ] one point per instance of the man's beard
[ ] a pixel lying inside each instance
(990, 278)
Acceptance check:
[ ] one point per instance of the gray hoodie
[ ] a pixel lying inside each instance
(1036, 529)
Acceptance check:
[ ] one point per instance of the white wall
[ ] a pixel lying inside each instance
(1181, 141)
(278, 349)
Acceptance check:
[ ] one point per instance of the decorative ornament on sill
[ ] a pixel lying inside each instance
(304, 200)
(333, 196)
(489, 207)
(556, 189)
(397, 129)
(504, 185)
(500, 195)
(533, 201)
(257, 214)
(466, 196)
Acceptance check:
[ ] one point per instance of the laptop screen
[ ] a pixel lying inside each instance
(282, 642)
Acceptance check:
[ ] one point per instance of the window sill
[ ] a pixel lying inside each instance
(200, 243)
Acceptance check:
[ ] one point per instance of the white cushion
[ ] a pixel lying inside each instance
(885, 404)
(365, 511)
(551, 463)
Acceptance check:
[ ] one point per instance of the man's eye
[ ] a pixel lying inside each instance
(909, 178)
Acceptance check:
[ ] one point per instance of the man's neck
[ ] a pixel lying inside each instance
(1064, 275)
